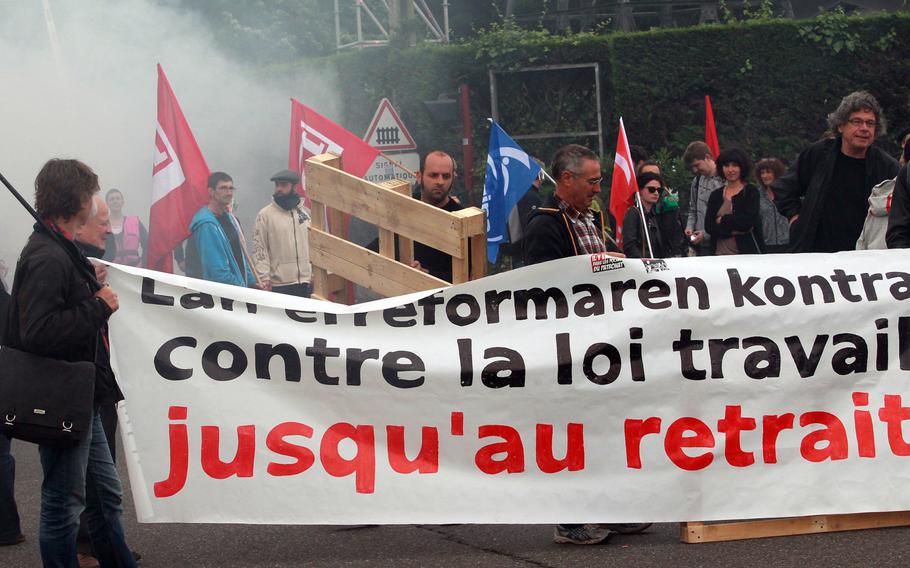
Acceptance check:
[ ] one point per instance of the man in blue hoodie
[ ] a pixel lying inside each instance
(218, 239)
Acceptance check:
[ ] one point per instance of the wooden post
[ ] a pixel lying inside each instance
(319, 221)
(405, 245)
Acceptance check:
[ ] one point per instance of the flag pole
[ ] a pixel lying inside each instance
(644, 223)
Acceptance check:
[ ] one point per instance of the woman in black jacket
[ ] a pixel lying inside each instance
(733, 216)
(57, 312)
(634, 243)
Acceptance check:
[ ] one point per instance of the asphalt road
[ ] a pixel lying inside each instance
(184, 545)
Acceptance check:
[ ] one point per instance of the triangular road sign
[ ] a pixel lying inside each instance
(387, 132)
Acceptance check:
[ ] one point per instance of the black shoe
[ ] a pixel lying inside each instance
(627, 528)
(136, 556)
(18, 540)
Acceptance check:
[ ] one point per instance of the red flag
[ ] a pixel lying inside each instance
(710, 130)
(313, 134)
(179, 179)
(624, 183)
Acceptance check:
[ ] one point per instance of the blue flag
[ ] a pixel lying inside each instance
(510, 172)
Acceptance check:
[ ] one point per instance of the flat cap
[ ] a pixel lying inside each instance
(286, 175)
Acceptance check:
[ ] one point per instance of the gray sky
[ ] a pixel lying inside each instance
(98, 104)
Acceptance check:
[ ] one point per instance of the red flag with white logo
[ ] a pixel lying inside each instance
(179, 179)
(710, 129)
(313, 134)
(624, 183)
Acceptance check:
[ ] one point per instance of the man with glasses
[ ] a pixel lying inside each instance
(565, 225)
(825, 194)
(217, 237)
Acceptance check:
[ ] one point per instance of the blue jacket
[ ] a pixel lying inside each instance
(215, 254)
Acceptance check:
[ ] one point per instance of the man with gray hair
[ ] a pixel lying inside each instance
(825, 194)
(565, 225)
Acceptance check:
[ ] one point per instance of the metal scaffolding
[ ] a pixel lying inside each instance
(384, 19)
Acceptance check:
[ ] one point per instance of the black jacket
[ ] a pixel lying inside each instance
(744, 223)
(634, 244)
(550, 234)
(898, 235)
(53, 311)
(801, 190)
(4, 307)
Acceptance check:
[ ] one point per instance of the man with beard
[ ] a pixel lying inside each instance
(281, 251)
(434, 182)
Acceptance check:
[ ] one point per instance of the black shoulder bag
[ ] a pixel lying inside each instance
(43, 400)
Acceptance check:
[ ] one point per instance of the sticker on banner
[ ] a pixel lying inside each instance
(602, 262)
(655, 265)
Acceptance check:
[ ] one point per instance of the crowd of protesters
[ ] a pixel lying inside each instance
(840, 193)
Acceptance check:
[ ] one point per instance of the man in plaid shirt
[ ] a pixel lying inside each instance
(565, 225)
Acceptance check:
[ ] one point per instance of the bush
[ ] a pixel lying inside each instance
(771, 82)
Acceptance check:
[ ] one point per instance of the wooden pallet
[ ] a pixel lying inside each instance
(388, 205)
(696, 532)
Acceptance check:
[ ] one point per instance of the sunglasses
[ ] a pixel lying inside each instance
(652, 189)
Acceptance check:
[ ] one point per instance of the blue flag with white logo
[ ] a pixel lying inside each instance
(510, 172)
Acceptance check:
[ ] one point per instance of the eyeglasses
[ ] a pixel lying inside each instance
(590, 181)
(652, 189)
(857, 122)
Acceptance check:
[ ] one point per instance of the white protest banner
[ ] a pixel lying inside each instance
(590, 389)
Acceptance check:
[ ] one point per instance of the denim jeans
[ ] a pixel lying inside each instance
(9, 515)
(82, 477)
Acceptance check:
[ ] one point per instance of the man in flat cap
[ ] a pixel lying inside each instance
(280, 248)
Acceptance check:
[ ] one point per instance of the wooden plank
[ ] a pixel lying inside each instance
(320, 282)
(460, 272)
(474, 221)
(317, 216)
(336, 221)
(386, 243)
(697, 532)
(320, 276)
(405, 245)
(366, 267)
(376, 204)
(478, 257)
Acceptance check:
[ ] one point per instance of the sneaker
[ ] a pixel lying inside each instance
(581, 534)
(627, 528)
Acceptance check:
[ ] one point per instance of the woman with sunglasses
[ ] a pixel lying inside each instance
(733, 216)
(635, 244)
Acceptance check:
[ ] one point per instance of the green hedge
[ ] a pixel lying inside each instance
(771, 83)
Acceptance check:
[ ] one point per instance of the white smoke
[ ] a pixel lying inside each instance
(95, 100)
